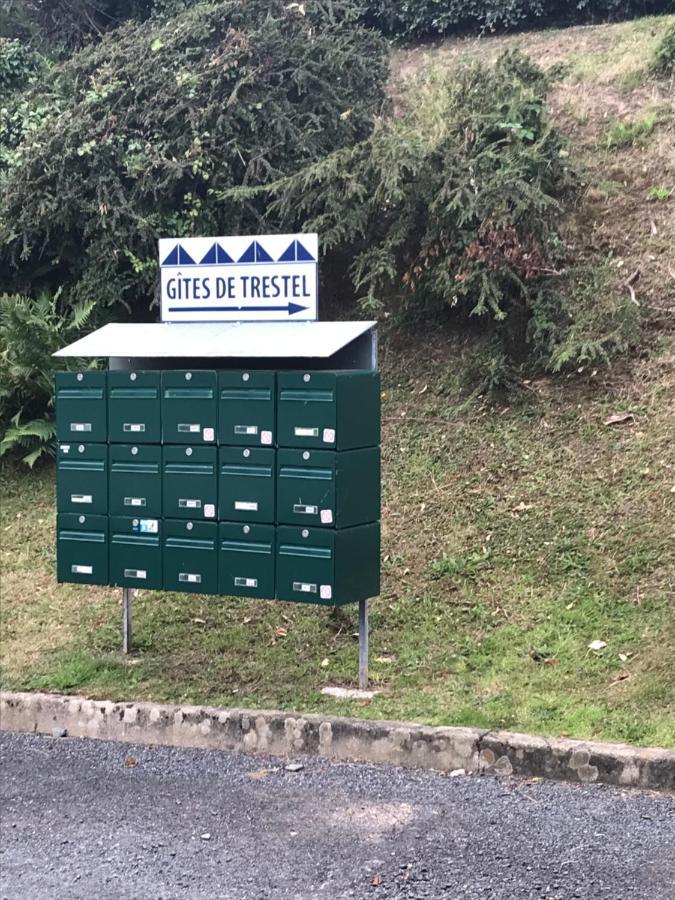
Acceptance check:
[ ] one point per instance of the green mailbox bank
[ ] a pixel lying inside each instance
(237, 459)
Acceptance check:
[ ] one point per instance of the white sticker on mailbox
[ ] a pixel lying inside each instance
(133, 426)
(135, 573)
(134, 501)
(246, 505)
(246, 582)
(327, 516)
(306, 432)
(81, 498)
(245, 429)
(305, 509)
(209, 434)
(209, 510)
(82, 570)
(80, 426)
(265, 437)
(329, 435)
(326, 592)
(190, 577)
(304, 588)
(189, 429)
(189, 504)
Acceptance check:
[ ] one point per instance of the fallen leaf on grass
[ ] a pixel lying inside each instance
(385, 659)
(199, 621)
(522, 507)
(280, 632)
(597, 645)
(621, 419)
(260, 773)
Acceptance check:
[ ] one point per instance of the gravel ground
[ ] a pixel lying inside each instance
(83, 819)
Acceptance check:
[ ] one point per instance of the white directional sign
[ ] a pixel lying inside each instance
(269, 277)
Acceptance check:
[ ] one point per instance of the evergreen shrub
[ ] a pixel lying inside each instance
(133, 138)
(407, 18)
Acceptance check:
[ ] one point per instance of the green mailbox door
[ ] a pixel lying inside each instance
(246, 560)
(246, 484)
(135, 480)
(189, 407)
(81, 406)
(328, 410)
(189, 482)
(328, 488)
(328, 566)
(135, 552)
(246, 408)
(82, 478)
(191, 556)
(134, 407)
(81, 548)
(306, 409)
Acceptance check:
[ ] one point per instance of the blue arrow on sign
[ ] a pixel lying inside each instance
(290, 307)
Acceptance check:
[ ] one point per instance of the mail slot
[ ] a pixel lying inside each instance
(246, 484)
(328, 410)
(81, 407)
(135, 480)
(189, 407)
(246, 408)
(191, 556)
(134, 407)
(82, 548)
(189, 482)
(328, 567)
(246, 560)
(135, 552)
(82, 478)
(328, 488)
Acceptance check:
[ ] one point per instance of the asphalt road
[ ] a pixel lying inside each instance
(87, 819)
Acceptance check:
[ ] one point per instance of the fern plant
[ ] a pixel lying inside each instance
(31, 329)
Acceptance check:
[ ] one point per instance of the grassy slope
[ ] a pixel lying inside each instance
(513, 536)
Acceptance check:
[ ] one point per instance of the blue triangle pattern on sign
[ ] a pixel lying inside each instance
(215, 255)
(296, 252)
(255, 253)
(179, 257)
(302, 254)
(184, 257)
(172, 258)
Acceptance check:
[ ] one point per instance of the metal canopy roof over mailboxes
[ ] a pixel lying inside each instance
(255, 344)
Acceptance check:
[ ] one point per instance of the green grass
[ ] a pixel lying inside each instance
(636, 132)
(512, 538)
(660, 194)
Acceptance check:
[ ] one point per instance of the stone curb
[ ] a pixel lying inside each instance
(282, 734)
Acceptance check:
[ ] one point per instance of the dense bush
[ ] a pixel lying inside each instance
(30, 331)
(19, 65)
(455, 208)
(420, 17)
(138, 134)
(65, 24)
(663, 63)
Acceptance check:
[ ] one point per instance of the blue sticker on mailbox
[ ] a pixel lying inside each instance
(145, 526)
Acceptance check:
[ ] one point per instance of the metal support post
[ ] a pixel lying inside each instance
(126, 620)
(363, 645)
